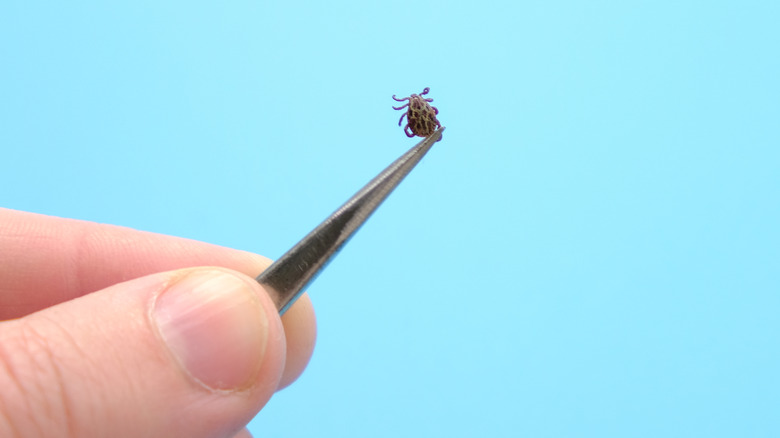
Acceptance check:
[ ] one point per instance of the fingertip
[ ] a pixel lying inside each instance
(219, 328)
(136, 347)
(300, 328)
(243, 433)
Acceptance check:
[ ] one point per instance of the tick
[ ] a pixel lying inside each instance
(420, 117)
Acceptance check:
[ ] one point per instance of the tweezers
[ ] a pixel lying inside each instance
(287, 277)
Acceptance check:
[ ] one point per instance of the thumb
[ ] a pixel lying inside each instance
(195, 352)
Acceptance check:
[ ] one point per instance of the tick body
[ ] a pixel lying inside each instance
(420, 115)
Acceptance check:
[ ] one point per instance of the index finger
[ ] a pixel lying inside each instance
(46, 260)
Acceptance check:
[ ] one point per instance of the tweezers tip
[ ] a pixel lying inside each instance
(436, 133)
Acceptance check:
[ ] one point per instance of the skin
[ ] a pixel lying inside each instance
(84, 348)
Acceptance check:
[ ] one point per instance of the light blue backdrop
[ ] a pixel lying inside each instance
(592, 250)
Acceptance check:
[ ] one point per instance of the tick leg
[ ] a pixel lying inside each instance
(429, 100)
(425, 91)
(399, 100)
(401, 107)
(435, 111)
(408, 133)
(401, 119)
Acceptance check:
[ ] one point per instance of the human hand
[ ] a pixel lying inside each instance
(108, 331)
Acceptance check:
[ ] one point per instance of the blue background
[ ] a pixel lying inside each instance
(592, 250)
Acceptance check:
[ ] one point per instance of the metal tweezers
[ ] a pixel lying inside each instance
(287, 277)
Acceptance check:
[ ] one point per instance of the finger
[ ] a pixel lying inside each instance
(194, 352)
(62, 259)
(243, 433)
(300, 328)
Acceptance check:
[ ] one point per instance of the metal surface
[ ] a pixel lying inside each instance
(286, 278)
